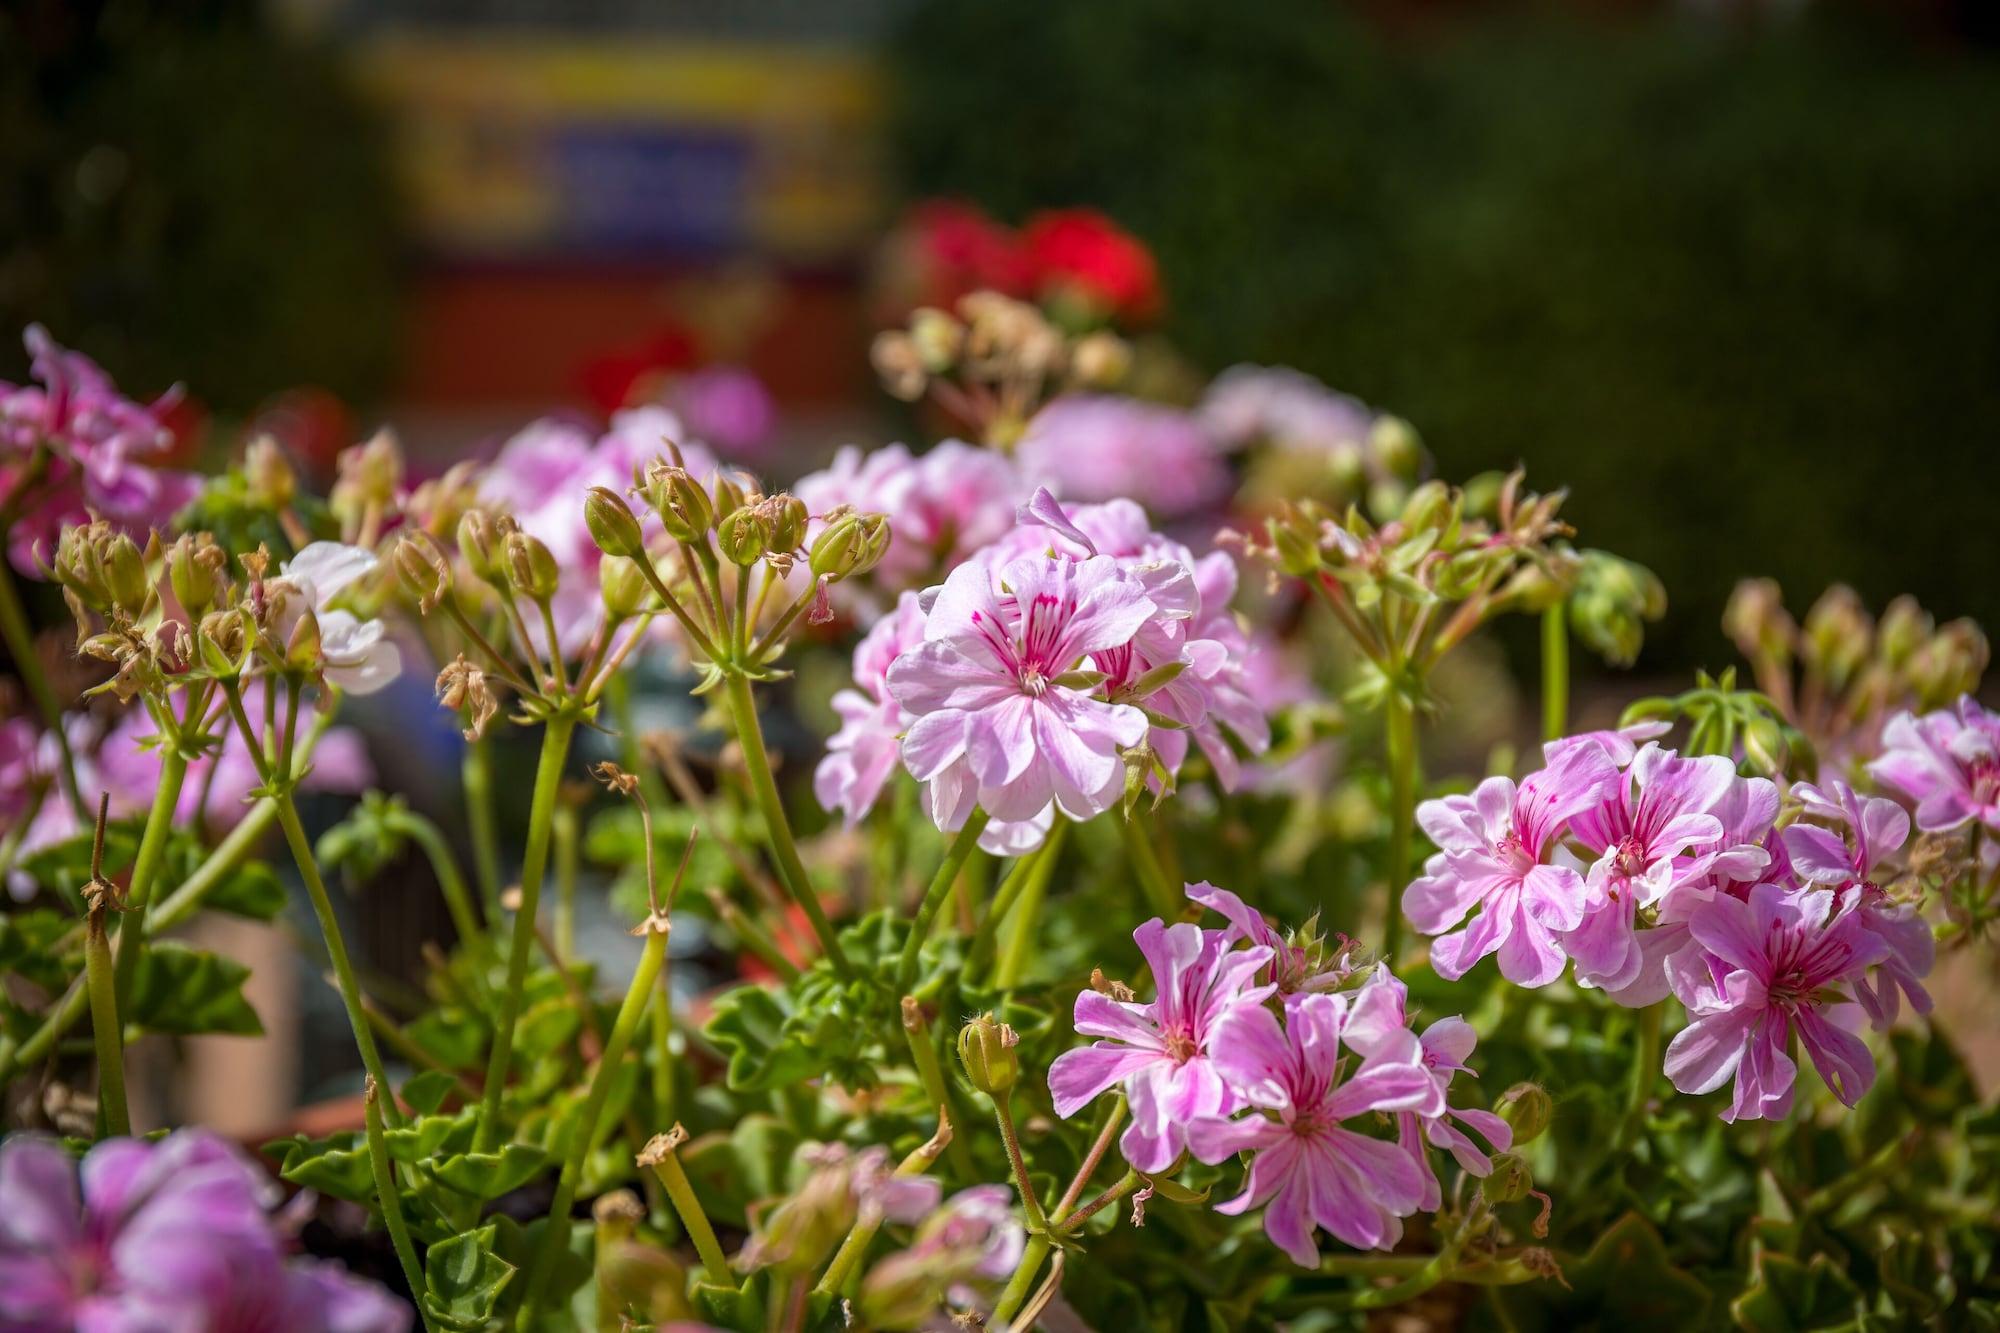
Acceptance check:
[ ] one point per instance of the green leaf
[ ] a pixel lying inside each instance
(465, 1277)
(485, 1175)
(429, 1136)
(426, 1092)
(186, 991)
(450, 1036)
(28, 947)
(337, 1166)
(1627, 1281)
(1786, 1296)
(749, 1023)
(253, 890)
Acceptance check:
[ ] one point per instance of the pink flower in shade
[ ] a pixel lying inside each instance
(1947, 763)
(1876, 830)
(1161, 1052)
(1377, 1022)
(942, 505)
(1765, 969)
(161, 1238)
(1246, 404)
(1309, 1170)
(988, 684)
(96, 445)
(1104, 447)
(727, 408)
(1656, 811)
(1492, 849)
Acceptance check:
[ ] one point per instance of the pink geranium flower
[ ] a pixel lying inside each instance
(1492, 855)
(1309, 1170)
(991, 684)
(1876, 830)
(1162, 1051)
(862, 755)
(1765, 969)
(1105, 446)
(942, 505)
(1947, 763)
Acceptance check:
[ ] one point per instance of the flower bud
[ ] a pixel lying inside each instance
(1950, 664)
(302, 646)
(1527, 1108)
(222, 642)
(1429, 506)
(1296, 543)
(1757, 623)
(1838, 635)
(986, 1048)
(680, 501)
(612, 524)
(788, 520)
(899, 363)
(1614, 598)
(531, 567)
(425, 573)
(1100, 360)
(936, 337)
(905, 1290)
(1396, 447)
(1765, 747)
(1904, 628)
(836, 546)
(732, 490)
(371, 475)
(125, 576)
(479, 541)
(1386, 499)
(1510, 1182)
(622, 586)
(742, 536)
(194, 568)
(268, 475)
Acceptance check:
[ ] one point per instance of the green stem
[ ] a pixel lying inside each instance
(110, 1038)
(920, 1160)
(663, 1048)
(660, 1156)
(930, 1072)
(750, 735)
(451, 882)
(565, 833)
(1003, 1111)
(152, 847)
(21, 645)
(548, 778)
(1422, 1280)
(1020, 940)
(1021, 1284)
(1400, 738)
(556, 1237)
(476, 772)
(1146, 862)
(1645, 1070)
(955, 856)
(1555, 670)
(1124, 1186)
(1012, 889)
(392, 1206)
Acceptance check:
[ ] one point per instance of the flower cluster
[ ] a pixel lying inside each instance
(942, 505)
(1653, 873)
(72, 448)
(1259, 1045)
(166, 1235)
(1075, 261)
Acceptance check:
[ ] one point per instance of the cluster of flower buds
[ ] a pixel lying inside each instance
(368, 487)
(993, 360)
(1840, 675)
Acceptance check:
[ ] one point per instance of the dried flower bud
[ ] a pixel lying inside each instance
(268, 475)
(743, 536)
(679, 500)
(612, 524)
(1510, 1182)
(900, 364)
(462, 688)
(531, 567)
(424, 571)
(1527, 1108)
(1101, 360)
(223, 642)
(986, 1048)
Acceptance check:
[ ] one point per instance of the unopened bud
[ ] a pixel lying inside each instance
(531, 567)
(1765, 747)
(1297, 547)
(1758, 624)
(125, 576)
(836, 550)
(788, 520)
(1386, 499)
(937, 337)
(1429, 506)
(1396, 447)
(986, 1048)
(1613, 600)
(425, 573)
(1950, 665)
(1510, 1182)
(1101, 360)
(900, 364)
(679, 500)
(612, 524)
(480, 541)
(742, 536)
(1905, 627)
(1838, 635)
(302, 646)
(194, 567)
(268, 475)
(623, 586)
(1527, 1108)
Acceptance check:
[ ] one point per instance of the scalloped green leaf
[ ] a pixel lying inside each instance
(186, 992)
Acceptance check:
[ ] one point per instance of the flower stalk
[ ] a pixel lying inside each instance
(659, 1156)
(962, 846)
(105, 1029)
(392, 1206)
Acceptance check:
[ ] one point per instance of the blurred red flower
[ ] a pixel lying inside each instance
(1078, 254)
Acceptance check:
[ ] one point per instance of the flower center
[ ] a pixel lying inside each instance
(1180, 1045)
(1630, 860)
(1983, 775)
(1033, 680)
(1511, 852)
(1791, 989)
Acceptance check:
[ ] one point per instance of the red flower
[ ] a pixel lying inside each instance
(633, 374)
(960, 249)
(1079, 254)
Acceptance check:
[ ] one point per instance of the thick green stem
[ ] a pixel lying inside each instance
(930, 1073)
(110, 1038)
(392, 1207)
(962, 847)
(1146, 864)
(451, 882)
(1400, 737)
(556, 1238)
(548, 778)
(1012, 890)
(21, 645)
(750, 735)
(476, 772)
(152, 847)
(1020, 940)
(659, 1155)
(1438, 1269)
(336, 945)
(1555, 671)
(662, 1015)
(565, 833)
(1645, 1071)
(1021, 1284)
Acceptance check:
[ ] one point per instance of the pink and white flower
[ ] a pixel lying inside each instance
(359, 656)
(1945, 763)
(1105, 447)
(1162, 1052)
(1309, 1170)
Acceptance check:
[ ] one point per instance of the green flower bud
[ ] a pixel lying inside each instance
(1510, 1182)
(531, 567)
(480, 540)
(679, 500)
(743, 536)
(1950, 664)
(223, 643)
(125, 576)
(1757, 623)
(1838, 635)
(622, 586)
(905, 1290)
(1296, 544)
(1101, 359)
(611, 523)
(1764, 745)
(788, 520)
(1396, 447)
(1348, 467)
(194, 569)
(1386, 499)
(986, 1048)
(302, 648)
(425, 573)
(1527, 1108)
(936, 338)
(1428, 506)
(837, 547)
(268, 475)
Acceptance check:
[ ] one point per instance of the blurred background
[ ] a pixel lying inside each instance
(1725, 268)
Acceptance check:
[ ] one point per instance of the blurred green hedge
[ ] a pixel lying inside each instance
(191, 197)
(1738, 290)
